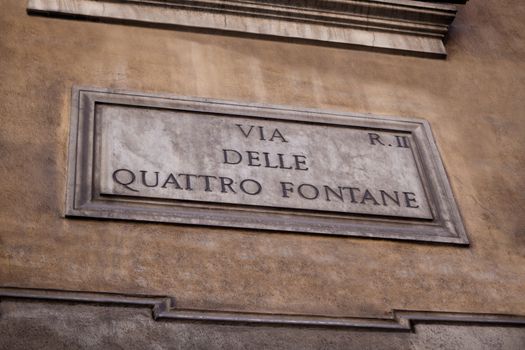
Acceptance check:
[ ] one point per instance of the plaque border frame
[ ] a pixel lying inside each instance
(81, 201)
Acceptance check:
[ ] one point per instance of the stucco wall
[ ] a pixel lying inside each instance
(54, 326)
(474, 101)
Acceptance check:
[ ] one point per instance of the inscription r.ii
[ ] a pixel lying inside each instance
(398, 141)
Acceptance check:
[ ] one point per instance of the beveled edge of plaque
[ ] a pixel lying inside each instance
(447, 226)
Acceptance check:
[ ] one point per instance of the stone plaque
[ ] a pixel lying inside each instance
(194, 161)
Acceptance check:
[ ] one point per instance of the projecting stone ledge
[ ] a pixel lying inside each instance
(401, 26)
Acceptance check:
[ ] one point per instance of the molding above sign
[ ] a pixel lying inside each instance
(164, 158)
(400, 26)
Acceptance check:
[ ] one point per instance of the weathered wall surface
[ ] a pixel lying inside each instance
(474, 101)
(27, 326)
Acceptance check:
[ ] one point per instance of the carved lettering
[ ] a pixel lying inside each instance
(402, 141)
(246, 130)
(342, 197)
(375, 138)
(272, 161)
(118, 178)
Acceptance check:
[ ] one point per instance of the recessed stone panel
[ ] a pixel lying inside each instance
(192, 161)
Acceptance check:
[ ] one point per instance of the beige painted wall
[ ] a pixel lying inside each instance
(474, 101)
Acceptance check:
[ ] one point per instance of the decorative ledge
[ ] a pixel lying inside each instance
(402, 26)
(164, 309)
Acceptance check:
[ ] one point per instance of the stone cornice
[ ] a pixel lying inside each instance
(402, 26)
(164, 308)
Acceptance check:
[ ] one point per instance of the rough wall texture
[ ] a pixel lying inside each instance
(473, 100)
(37, 325)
